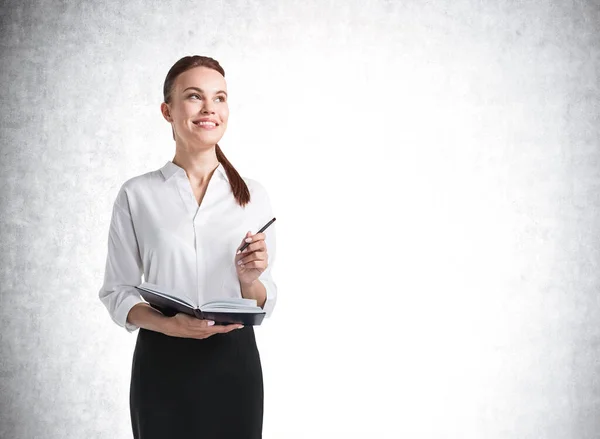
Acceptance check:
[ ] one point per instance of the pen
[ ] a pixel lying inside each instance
(260, 231)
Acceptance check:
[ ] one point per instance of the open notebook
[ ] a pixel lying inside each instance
(222, 311)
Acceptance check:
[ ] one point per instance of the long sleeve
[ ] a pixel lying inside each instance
(266, 277)
(123, 267)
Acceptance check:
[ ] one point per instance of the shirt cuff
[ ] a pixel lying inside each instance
(121, 315)
(271, 298)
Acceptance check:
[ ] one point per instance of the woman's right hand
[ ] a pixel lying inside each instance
(183, 325)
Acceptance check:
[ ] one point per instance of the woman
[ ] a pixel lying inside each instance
(181, 226)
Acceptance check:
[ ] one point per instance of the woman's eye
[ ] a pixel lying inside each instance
(222, 98)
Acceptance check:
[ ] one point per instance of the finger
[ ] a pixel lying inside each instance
(256, 256)
(248, 236)
(259, 254)
(225, 328)
(199, 325)
(255, 238)
(193, 321)
(234, 327)
(258, 245)
(261, 265)
(252, 238)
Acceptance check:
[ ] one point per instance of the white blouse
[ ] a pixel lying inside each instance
(158, 230)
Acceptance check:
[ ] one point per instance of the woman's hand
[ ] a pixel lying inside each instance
(182, 325)
(251, 262)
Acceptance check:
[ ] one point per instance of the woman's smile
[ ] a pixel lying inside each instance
(206, 124)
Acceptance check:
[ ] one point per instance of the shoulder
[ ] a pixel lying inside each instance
(254, 186)
(258, 192)
(137, 186)
(142, 180)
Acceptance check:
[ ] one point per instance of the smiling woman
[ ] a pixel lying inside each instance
(196, 85)
(180, 227)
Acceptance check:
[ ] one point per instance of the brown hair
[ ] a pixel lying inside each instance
(238, 185)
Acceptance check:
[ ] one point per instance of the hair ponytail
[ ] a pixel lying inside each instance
(238, 185)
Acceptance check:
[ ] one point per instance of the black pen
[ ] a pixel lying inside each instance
(260, 231)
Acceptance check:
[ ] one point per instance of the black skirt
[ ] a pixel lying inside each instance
(189, 388)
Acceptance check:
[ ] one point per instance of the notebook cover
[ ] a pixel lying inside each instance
(164, 305)
(170, 308)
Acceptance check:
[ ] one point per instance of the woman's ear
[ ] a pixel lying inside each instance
(164, 109)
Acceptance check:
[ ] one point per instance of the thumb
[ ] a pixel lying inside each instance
(248, 235)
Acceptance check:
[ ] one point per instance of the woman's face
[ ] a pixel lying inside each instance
(198, 93)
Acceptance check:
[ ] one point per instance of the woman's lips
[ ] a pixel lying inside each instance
(206, 126)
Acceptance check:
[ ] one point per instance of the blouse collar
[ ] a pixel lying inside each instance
(170, 169)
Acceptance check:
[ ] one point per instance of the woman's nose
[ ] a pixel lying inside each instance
(207, 107)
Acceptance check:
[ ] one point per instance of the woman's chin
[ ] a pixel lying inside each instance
(204, 141)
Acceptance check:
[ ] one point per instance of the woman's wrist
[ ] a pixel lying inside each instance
(255, 290)
(144, 316)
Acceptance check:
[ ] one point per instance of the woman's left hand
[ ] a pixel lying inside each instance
(253, 260)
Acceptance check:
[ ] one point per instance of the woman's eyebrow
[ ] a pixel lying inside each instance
(202, 91)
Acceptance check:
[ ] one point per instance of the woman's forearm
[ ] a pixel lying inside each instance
(144, 316)
(256, 290)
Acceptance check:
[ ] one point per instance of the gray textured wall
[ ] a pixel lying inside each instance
(459, 139)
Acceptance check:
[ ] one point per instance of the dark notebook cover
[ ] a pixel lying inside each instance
(170, 307)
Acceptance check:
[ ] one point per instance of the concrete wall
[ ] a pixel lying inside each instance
(434, 168)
